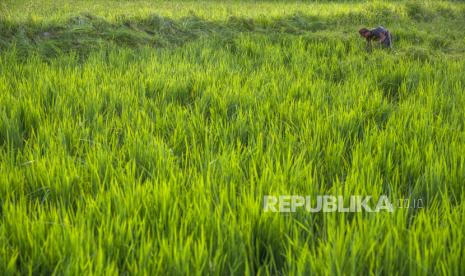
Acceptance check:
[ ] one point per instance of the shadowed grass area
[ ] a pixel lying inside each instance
(140, 137)
(85, 32)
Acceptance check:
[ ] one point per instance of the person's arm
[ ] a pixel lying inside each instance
(368, 47)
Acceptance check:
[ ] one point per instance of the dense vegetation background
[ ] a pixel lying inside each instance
(141, 136)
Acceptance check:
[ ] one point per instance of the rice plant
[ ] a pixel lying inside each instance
(140, 137)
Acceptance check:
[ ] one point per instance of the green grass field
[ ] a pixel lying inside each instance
(140, 137)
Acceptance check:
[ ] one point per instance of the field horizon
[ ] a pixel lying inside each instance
(149, 137)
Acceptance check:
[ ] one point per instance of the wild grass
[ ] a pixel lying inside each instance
(139, 137)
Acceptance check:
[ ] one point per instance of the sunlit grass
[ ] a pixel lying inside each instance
(140, 137)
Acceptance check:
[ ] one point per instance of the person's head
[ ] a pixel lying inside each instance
(364, 32)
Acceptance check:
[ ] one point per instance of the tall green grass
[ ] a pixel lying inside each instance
(139, 137)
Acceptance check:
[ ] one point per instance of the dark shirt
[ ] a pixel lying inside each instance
(377, 34)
